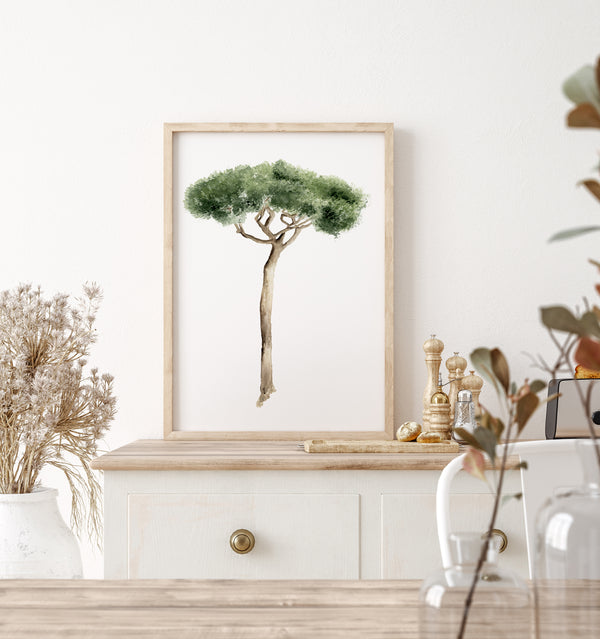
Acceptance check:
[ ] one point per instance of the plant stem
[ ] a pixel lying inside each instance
(488, 535)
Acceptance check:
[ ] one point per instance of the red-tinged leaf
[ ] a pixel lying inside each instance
(474, 463)
(593, 187)
(588, 353)
(500, 368)
(526, 406)
(583, 115)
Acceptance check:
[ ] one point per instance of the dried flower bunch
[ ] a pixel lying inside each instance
(51, 411)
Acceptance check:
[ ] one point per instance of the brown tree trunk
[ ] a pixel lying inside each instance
(266, 307)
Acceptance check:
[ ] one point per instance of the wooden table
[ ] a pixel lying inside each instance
(243, 609)
(183, 609)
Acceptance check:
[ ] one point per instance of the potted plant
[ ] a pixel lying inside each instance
(52, 413)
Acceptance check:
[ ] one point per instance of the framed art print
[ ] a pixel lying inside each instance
(278, 281)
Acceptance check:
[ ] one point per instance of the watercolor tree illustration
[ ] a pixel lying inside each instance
(284, 200)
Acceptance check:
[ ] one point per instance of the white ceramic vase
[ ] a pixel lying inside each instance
(35, 542)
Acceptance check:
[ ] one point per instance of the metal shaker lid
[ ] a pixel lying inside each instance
(465, 396)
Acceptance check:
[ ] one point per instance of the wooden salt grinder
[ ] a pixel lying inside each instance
(474, 383)
(456, 369)
(433, 348)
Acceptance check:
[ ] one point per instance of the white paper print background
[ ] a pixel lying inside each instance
(328, 304)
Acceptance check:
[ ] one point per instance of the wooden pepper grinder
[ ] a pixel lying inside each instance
(474, 383)
(439, 413)
(433, 348)
(456, 369)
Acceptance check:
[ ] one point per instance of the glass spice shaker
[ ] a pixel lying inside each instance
(464, 414)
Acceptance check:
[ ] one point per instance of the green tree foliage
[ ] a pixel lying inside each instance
(285, 200)
(331, 204)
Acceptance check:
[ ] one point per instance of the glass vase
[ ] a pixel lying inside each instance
(567, 561)
(501, 603)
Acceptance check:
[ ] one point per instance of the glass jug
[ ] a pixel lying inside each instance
(567, 557)
(501, 606)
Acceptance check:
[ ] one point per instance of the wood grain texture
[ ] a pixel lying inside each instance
(156, 454)
(249, 609)
(375, 446)
(387, 129)
(175, 609)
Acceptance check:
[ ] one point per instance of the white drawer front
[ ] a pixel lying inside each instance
(409, 544)
(298, 536)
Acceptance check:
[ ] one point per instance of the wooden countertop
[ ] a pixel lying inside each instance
(158, 454)
(182, 609)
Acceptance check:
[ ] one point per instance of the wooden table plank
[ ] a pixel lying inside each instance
(169, 609)
(180, 593)
(180, 608)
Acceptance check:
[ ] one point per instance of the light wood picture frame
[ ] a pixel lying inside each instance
(330, 354)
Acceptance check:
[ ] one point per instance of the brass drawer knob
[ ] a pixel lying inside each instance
(496, 532)
(242, 541)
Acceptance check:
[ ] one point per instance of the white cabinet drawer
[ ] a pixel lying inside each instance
(298, 536)
(409, 544)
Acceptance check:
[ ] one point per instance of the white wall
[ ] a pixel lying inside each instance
(485, 169)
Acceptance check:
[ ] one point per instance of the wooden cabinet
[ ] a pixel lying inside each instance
(171, 507)
(297, 536)
(411, 552)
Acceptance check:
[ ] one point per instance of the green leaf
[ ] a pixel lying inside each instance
(481, 358)
(513, 388)
(467, 436)
(560, 318)
(524, 465)
(497, 427)
(500, 368)
(526, 406)
(537, 385)
(568, 234)
(589, 324)
(492, 423)
(487, 441)
(581, 87)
